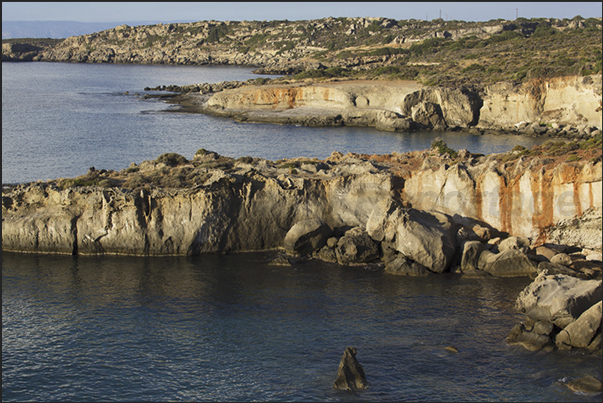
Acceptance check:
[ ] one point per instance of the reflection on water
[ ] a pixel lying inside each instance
(233, 328)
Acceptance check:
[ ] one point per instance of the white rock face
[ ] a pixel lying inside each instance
(562, 100)
(521, 201)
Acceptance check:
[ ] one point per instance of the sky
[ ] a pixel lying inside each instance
(239, 11)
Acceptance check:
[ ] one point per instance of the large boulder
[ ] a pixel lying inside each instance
(558, 299)
(513, 242)
(581, 332)
(428, 238)
(562, 259)
(429, 115)
(472, 250)
(356, 246)
(510, 263)
(306, 237)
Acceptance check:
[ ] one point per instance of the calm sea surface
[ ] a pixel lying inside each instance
(233, 327)
(59, 119)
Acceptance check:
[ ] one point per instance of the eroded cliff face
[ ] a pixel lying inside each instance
(570, 100)
(245, 206)
(562, 101)
(385, 105)
(234, 213)
(522, 198)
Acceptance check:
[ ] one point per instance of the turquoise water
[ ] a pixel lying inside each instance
(233, 327)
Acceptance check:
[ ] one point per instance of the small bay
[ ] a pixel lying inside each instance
(59, 119)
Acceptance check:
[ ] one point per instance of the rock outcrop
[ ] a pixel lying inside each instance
(350, 209)
(562, 100)
(564, 107)
(350, 374)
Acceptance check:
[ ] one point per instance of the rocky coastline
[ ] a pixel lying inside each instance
(564, 107)
(526, 213)
(351, 210)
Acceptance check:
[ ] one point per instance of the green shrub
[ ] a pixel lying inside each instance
(172, 159)
(443, 148)
(543, 31)
(216, 33)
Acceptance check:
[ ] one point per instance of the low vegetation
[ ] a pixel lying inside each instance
(568, 151)
(436, 52)
(442, 148)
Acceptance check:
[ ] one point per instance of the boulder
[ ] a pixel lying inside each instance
(428, 238)
(402, 266)
(554, 268)
(510, 263)
(429, 115)
(594, 257)
(558, 299)
(356, 246)
(350, 375)
(473, 233)
(562, 259)
(519, 243)
(581, 332)
(306, 237)
(532, 335)
(326, 254)
(472, 250)
(548, 253)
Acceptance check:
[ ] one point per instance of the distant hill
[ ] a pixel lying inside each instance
(451, 53)
(61, 29)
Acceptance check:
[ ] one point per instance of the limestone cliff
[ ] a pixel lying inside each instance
(217, 204)
(522, 197)
(239, 211)
(562, 100)
(565, 106)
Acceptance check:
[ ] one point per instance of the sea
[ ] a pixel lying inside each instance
(233, 327)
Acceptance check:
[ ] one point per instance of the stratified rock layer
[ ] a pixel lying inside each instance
(423, 213)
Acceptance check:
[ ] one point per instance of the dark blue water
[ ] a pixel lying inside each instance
(233, 328)
(59, 119)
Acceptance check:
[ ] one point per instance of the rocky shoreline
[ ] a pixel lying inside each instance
(350, 210)
(538, 108)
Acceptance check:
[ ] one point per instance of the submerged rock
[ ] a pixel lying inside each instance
(587, 384)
